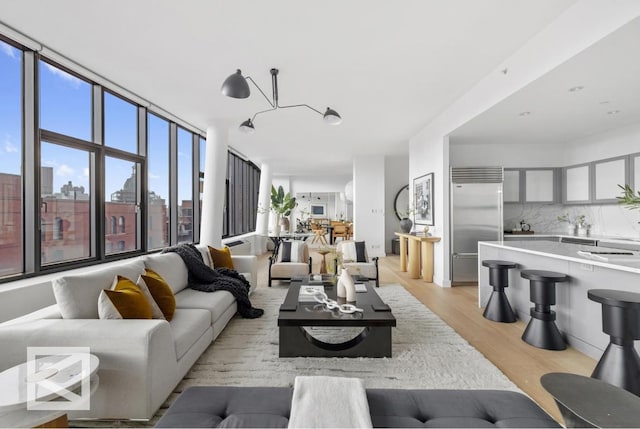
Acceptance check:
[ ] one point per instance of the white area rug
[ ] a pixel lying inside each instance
(427, 353)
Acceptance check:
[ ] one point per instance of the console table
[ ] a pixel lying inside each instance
(420, 255)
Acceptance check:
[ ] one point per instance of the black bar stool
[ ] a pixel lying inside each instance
(498, 308)
(542, 331)
(620, 363)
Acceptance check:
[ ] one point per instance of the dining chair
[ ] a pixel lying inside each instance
(339, 231)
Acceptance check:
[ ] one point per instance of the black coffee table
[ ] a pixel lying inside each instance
(373, 341)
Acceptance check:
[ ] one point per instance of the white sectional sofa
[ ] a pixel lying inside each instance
(141, 361)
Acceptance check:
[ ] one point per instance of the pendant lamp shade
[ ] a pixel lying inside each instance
(247, 127)
(236, 86)
(332, 117)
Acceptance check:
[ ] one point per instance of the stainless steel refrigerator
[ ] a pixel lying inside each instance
(476, 215)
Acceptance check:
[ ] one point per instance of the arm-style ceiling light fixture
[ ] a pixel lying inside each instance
(236, 86)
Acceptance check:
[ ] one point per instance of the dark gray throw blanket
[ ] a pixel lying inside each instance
(206, 279)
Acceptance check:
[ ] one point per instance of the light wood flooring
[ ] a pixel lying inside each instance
(498, 342)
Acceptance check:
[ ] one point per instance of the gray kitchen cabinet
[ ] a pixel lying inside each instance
(576, 184)
(541, 185)
(511, 187)
(607, 175)
(634, 167)
(530, 185)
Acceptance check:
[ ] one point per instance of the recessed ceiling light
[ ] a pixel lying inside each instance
(604, 102)
(576, 88)
(613, 112)
(524, 113)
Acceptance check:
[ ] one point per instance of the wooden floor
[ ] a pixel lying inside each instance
(498, 342)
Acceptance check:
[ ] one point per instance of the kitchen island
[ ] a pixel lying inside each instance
(578, 318)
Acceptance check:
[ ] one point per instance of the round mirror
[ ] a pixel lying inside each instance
(401, 203)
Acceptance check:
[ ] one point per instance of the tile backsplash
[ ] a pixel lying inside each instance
(605, 219)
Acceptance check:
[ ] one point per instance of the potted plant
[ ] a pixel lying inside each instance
(629, 198)
(579, 224)
(281, 204)
(583, 226)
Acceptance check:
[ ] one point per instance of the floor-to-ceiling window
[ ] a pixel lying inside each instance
(185, 185)
(95, 176)
(157, 182)
(241, 199)
(67, 164)
(203, 150)
(122, 185)
(11, 249)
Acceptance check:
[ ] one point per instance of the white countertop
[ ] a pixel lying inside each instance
(569, 252)
(621, 240)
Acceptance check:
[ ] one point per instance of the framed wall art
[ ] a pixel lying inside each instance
(423, 199)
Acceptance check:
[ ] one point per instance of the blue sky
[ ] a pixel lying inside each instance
(65, 107)
(10, 105)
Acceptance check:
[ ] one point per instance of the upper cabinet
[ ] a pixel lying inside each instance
(511, 186)
(541, 185)
(593, 182)
(530, 185)
(607, 175)
(576, 184)
(634, 162)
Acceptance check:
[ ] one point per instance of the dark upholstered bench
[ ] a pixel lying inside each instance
(270, 407)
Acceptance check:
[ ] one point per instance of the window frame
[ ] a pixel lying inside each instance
(242, 185)
(31, 140)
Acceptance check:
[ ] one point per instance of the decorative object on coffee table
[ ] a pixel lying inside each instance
(346, 286)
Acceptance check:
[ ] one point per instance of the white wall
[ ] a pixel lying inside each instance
(395, 172)
(333, 183)
(511, 155)
(583, 24)
(620, 141)
(369, 202)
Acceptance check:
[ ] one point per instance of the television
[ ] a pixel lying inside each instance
(318, 210)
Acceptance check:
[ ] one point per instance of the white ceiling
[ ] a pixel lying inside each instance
(387, 67)
(608, 71)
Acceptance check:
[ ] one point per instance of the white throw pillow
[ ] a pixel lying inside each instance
(106, 309)
(77, 294)
(206, 256)
(349, 252)
(171, 268)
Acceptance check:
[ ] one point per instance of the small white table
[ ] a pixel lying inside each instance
(14, 391)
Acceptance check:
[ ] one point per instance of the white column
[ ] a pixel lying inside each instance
(264, 203)
(368, 202)
(215, 172)
(264, 200)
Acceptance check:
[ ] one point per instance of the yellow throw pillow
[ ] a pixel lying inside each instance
(161, 292)
(221, 258)
(127, 301)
